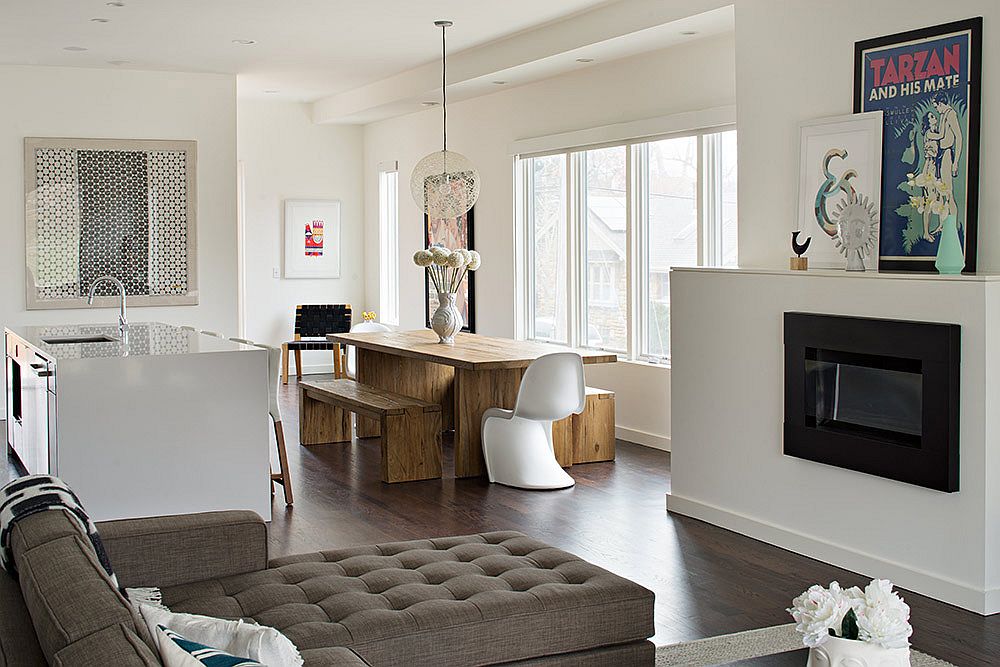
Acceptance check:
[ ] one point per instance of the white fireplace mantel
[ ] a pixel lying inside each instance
(727, 465)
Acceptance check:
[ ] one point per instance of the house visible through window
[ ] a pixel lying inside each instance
(604, 226)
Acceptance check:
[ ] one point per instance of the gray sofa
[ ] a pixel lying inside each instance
(493, 598)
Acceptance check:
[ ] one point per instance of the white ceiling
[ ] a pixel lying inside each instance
(305, 49)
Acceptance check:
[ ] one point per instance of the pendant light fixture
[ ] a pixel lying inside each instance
(444, 184)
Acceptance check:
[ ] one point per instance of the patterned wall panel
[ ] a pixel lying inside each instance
(57, 204)
(98, 207)
(114, 220)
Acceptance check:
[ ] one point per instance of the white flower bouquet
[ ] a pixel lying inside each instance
(876, 615)
(447, 268)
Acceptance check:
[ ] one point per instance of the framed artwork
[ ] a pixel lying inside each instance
(312, 238)
(118, 207)
(928, 84)
(840, 160)
(452, 233)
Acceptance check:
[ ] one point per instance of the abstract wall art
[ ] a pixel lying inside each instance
(97, 207)
(312, 238)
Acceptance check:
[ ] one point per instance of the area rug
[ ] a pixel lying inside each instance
(751, 644)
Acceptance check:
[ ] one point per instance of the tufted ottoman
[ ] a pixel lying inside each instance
(474, 600)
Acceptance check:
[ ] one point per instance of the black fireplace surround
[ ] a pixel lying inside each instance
(872, 395)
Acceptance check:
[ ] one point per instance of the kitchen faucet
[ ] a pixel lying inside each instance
(122, 317)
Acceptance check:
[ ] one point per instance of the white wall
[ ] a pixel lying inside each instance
(694, 76)
(123, 104)
(285, 156)
(796, 62)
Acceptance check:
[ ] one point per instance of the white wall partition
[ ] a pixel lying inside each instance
(727, 465)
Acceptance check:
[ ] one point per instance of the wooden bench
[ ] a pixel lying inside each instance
(589, 436)
(410, 428)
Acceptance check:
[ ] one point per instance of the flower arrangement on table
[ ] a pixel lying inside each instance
(447, 268)
(876, 616)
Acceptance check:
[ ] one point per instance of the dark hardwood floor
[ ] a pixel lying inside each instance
(708, 581)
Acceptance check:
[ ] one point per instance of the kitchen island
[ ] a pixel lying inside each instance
(161, 421)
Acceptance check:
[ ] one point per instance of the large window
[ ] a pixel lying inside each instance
(604, 226)
(388, 221)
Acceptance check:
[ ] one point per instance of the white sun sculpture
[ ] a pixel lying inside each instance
(856, 218)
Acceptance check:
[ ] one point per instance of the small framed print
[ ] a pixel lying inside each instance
(312, 238)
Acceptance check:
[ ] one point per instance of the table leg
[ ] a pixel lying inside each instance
(476, 392)
(411, 377)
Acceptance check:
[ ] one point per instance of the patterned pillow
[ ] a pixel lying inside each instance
(178, 651)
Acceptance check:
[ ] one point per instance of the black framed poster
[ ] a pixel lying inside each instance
(928, 84)
(452, 233)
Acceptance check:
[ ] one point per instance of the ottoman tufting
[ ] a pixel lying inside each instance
(473, 600)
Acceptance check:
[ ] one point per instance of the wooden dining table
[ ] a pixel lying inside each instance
(467, 378)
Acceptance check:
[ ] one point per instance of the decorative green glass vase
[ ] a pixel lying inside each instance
(950, 258)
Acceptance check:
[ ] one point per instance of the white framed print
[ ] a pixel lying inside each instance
(312, 238)
(839, 158)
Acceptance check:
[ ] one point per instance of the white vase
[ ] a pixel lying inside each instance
(447, 319)
(839, 652)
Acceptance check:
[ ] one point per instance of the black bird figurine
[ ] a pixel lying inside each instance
(799, 263)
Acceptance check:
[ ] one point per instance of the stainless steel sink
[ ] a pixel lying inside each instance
(67, 340)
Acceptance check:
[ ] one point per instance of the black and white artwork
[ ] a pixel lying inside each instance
(98, 207)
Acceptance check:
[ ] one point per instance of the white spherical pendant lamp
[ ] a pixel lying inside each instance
(444, 184)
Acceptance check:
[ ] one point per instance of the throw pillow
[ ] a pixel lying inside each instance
(179, 651)
(257, 642)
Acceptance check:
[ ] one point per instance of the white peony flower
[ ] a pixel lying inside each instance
(817, 611)
(475, 261)
(885, 618)
(423, 258)
(456, 259)
(440, 254)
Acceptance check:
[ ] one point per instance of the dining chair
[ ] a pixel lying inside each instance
(517, 444)
(312, 323)
(283, 476)
(369, 325)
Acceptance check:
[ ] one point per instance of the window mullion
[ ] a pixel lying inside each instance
(577, 240)
(638, 244)
(526, 183)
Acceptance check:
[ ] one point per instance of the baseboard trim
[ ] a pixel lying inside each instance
(925, 583)
(643, 438)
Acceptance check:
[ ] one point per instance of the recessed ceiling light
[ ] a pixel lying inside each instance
(117, 63)
(430, 103)
(115, 3)
(74, 48)
(688, 33)
(244, 42)
(272, 91)
(584, 60)
(499, 83)
(100, 20)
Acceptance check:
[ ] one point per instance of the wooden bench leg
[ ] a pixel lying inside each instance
(284, 477)
(284, 363)
(411, 446)
(321, 423)
(593, 431)
(562, 441)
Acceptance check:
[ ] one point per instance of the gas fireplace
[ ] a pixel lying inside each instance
(876, 396)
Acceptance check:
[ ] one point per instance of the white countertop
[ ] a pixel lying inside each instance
(145, 339)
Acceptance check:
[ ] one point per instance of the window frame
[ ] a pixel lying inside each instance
(388, 279)
(709, 234)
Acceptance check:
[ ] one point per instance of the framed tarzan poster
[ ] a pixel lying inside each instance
(927, 83)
